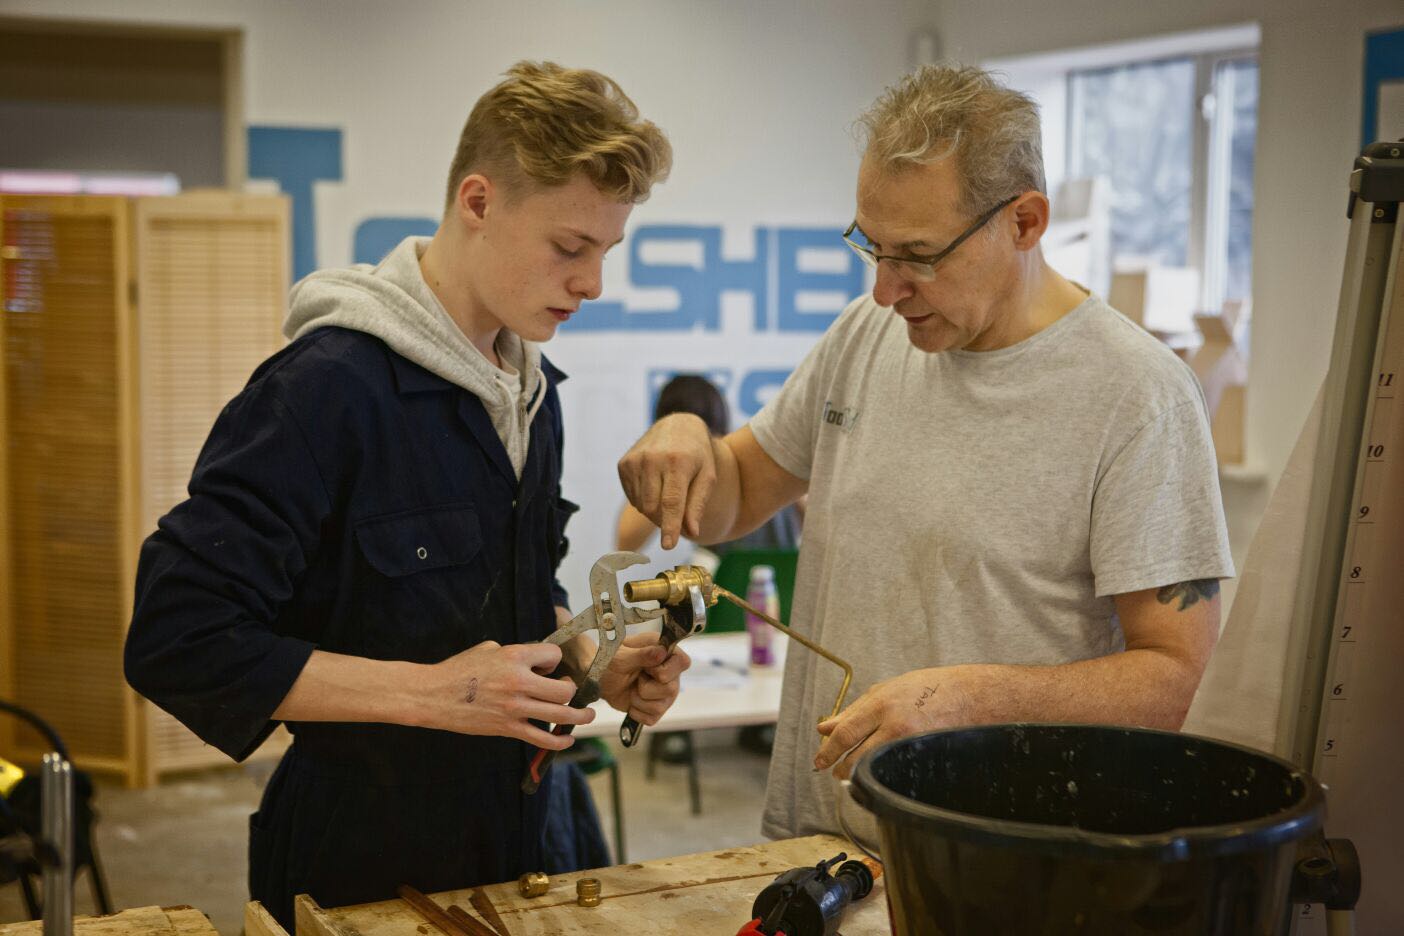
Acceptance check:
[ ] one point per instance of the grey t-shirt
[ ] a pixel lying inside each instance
(978, 507)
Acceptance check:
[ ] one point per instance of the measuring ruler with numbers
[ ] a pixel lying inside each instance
(1358, 751)
(1375, 516)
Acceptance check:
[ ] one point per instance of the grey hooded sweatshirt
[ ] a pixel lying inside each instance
(392, 302)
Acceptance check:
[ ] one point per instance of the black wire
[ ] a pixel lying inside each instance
(39, 725)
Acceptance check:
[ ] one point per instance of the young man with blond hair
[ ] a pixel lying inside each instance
(1016, 514)
(369, 549)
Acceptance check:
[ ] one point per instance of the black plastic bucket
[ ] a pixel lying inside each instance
(1043, 829)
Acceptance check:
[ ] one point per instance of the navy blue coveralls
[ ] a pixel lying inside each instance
(351, 501)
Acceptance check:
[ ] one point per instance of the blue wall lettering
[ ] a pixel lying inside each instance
(757, 387)
(793, 281)
(772, 277)
(296, 157)
(1384, 62)
(376, 237)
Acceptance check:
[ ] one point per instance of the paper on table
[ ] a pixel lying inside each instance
(712, 673)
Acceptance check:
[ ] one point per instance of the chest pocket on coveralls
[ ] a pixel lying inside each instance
(423, 596)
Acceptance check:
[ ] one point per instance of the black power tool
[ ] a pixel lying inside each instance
(810, 901)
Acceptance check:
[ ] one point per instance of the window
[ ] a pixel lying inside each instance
(1228, 256)
(1174, 137)
(1134, 124)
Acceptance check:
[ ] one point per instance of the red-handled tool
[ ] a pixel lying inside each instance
(683, 614)
(607, 617)
(541, 761)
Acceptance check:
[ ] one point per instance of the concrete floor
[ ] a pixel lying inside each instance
(185, 841)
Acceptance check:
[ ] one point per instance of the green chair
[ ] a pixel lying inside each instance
(734, 574)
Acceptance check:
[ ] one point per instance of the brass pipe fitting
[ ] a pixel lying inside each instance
(533, 884)
(671, 587)
(587, 892)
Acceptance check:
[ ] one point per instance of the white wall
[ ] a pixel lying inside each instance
(757, 99)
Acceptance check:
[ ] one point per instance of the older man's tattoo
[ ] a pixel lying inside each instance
(472, 690)
(926, 694)
(1189, 593)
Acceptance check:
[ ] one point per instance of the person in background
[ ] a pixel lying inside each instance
(369, 550)
(695, 394)
(1014, 509)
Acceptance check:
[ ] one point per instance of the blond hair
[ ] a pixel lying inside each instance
(545, 123)
(939, 112)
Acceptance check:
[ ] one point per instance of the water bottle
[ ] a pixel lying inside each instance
(761, 594)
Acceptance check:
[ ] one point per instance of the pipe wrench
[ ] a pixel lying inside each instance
(606, 618)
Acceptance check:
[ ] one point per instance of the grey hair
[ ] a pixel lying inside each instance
(940, 111)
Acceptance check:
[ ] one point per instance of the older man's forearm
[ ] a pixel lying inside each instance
(724, 501)
(1143, 688)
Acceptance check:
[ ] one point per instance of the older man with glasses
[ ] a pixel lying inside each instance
(1014, 511)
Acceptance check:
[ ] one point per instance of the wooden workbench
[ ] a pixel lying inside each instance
(140, 921)
(710, 893)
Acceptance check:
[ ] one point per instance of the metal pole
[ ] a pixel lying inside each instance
(56, 823)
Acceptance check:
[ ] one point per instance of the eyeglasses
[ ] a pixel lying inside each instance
(921, 269)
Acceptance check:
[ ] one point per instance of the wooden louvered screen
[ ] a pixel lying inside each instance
(212, 281)
(68, 471)
(104, 404)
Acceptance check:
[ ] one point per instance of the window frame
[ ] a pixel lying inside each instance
(1204, 172)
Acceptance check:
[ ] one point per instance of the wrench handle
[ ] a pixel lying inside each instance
(630, 729)
(541, 761)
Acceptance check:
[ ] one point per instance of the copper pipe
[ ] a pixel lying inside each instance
(470, 923)
(670, 587)
(488, 912)
(847, 670)
(436, 914)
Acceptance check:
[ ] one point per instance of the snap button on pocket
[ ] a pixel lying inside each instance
(420, 540)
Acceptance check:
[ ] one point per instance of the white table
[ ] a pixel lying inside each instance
(720, 690)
